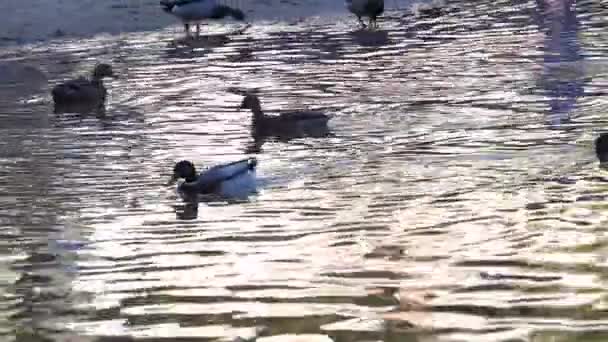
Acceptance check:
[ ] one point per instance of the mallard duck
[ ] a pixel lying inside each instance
(83, 90)
(366, 8)
(294, 124)
(229, 180)
(195, 11)
(601, 148)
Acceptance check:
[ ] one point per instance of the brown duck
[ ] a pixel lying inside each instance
(82, 90)
(285, 125)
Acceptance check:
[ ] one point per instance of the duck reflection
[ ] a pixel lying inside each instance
(187, 210)
(80, 109)
(207, 41)
(563, 76)
(198, 46)
(370, 38)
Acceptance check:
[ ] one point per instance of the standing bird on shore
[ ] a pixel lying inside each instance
(366, 8)
(196, 11)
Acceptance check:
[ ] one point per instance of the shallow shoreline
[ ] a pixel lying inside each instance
(29, 21)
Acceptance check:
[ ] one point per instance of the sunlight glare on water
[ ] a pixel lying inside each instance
(459, 198)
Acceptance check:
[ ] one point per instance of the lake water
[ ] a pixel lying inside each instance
(459, 198)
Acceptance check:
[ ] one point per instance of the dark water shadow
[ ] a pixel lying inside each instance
(370, 37)
(80, 109)
(80, 116)
(260, 135)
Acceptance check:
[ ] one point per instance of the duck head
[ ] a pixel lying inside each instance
(601, 148)
(252, 102)
(103, 70)
(183, 169)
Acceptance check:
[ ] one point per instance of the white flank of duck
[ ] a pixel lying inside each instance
(197, 11)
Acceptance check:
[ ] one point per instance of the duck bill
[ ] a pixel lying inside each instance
(173, 180)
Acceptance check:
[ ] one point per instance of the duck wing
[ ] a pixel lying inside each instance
(221, 173)
(303, 116)
(180, 2)
(74, 90)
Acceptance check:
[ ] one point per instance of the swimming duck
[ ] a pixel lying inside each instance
(366, 8)
(195, 11)
(229, 180)
(83, 90)
(295, 124)
(601, 148)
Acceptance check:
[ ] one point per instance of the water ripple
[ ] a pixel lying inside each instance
(458, 197)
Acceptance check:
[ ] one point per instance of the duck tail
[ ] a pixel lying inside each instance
(167, 5)
(222, 11)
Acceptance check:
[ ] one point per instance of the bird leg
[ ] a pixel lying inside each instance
(187, 29)
(198, 30)
(361, 22)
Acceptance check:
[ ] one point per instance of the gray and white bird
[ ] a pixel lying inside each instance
(196, 11)
(235, 179)
(366, 8)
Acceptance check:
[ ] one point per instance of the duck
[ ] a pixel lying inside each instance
(195, 11)
(83, 90)
(366, 8)
(233, 179)
(285, 125)
(601, 148)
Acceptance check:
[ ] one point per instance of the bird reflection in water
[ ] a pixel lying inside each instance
(370, 38)
(80, 109)
(209, 41)
(187, 210)
(563, 75)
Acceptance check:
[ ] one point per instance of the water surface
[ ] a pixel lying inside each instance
(459, 199)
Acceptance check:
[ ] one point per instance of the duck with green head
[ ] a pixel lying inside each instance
(235, 179)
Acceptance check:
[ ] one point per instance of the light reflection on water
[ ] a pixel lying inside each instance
(458, 200)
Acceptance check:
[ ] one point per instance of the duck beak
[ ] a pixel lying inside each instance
(172, 180)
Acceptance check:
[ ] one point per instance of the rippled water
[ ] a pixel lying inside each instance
(459, 199)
